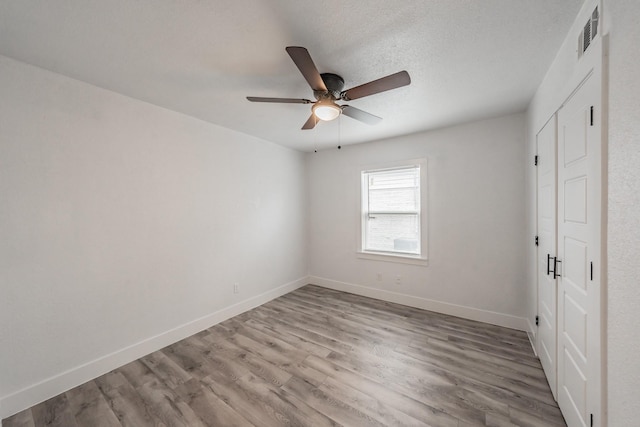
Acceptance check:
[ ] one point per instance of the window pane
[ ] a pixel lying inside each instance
(397, 178)
(394, 200)
(392, 233)
(394, 190)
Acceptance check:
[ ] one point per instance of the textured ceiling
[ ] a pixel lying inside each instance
(468, 59)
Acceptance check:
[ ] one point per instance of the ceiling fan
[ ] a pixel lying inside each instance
(327, 89)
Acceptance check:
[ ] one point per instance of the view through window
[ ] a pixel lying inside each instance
(391, 210)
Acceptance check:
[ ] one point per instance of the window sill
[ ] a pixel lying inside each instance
(401, 259)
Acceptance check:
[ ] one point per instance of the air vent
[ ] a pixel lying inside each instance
(588, 33)
(586, 36)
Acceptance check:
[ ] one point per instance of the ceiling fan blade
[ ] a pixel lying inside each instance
(280, 100)
(305, 64)
(392, 81)
(358, 114)
(310, 123)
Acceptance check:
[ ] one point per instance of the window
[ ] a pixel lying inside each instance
(392, 211)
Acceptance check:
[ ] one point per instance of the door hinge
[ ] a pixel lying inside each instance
(591, 420)
(592, 115)
(537, 320)
(535, 160)
(536, 240)
(591, 268)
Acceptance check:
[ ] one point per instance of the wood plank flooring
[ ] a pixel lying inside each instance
(318, 357)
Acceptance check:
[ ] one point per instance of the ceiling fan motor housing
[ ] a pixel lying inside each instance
(334, 84)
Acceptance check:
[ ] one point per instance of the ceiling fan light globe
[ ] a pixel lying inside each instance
(326, 112)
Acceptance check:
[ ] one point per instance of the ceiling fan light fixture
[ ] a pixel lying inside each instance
(326, 111)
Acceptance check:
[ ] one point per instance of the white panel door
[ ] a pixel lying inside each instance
(546, 219)
(579, 254)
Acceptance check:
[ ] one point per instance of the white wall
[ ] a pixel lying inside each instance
(624, 213)
(475, 214)
(121, 221)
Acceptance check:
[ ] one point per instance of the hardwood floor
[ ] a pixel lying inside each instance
(318, 357)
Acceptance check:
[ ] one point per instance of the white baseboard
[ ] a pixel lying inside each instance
(465, 312)
(36, 393)
(531, 333)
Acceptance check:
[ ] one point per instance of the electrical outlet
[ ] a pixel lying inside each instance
(236, 289)
(398, 279)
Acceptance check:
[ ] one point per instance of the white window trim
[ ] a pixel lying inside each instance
(422, 258)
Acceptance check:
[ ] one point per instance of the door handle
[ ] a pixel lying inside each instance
(549, 263)
(556, 261)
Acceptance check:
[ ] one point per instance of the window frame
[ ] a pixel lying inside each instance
(398, 257)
